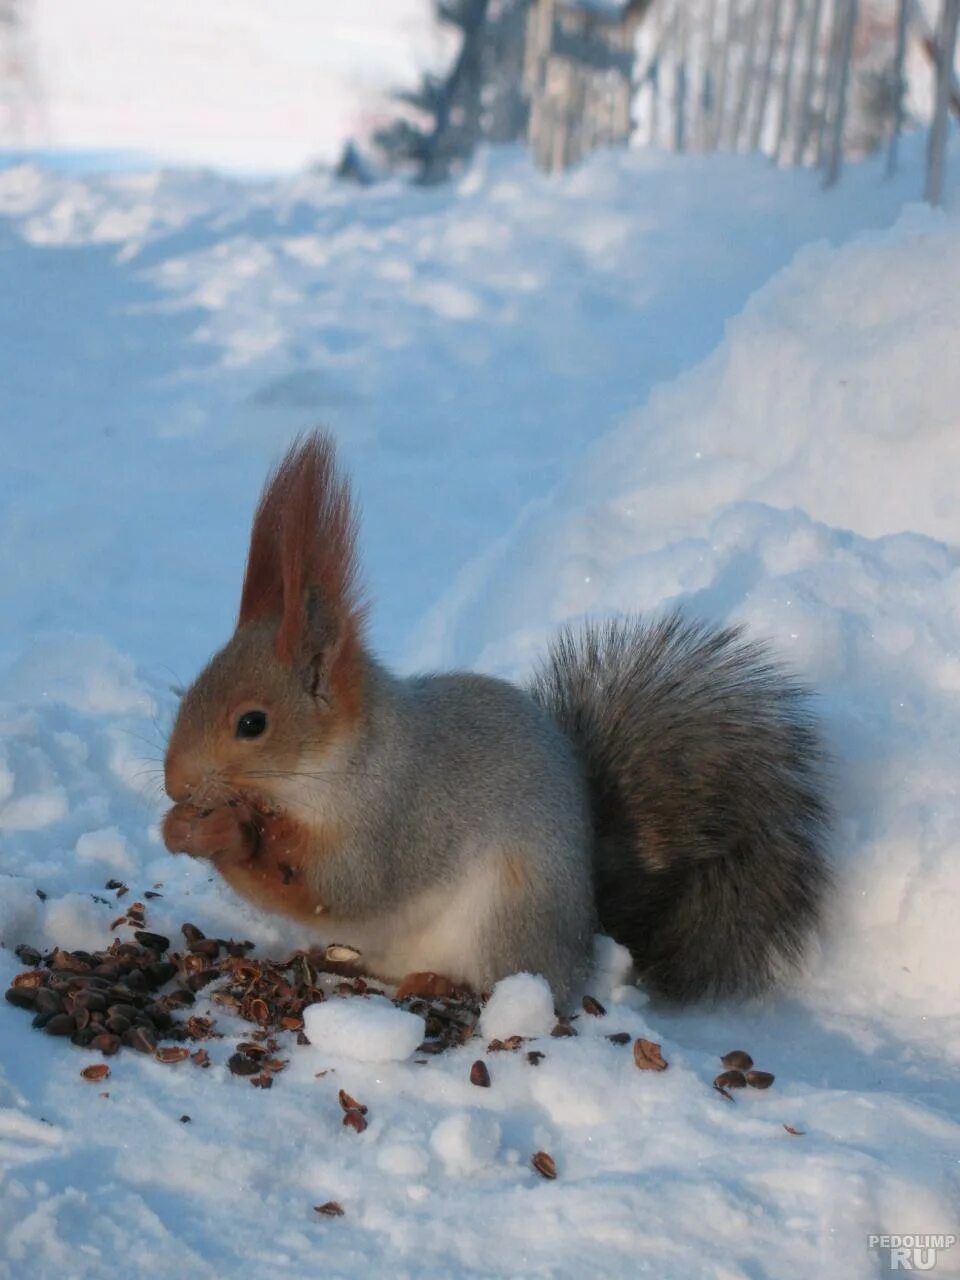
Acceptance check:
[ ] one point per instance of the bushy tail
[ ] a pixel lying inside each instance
(708, 789)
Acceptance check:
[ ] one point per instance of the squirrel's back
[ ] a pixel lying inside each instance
(708, 793)
(463, 834)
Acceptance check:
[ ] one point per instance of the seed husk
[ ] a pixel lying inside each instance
(562, 1028)
(60, 1024)
(128, 1011)
(619, 1037)
(545, 1165)
(159, 1016)
(155, 941)
(329, 1210)
(648, 1056)
(172, 1053)
(760, 1079)
(738, 1058)
(479, 1074)
(30, 978)
(241, 1065)
(732, 1079)
(535, 1057)
(29, 955)
(505, 1046)
(96, 1072)
(355, 1120)
(141, 1039)
(351, 1104)
(593, 1007)
(90, 999)
(340, 954)
(209, 948)
(107, 1043)
(160, 972)
(180, 999)
(197, 981)
(22, 997)
(259, 1010)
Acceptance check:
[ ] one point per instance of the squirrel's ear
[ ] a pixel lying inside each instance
(321, 645)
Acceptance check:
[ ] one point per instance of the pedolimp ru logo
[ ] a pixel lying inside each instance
(911, 1252)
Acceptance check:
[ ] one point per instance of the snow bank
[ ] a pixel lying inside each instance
(801, 481)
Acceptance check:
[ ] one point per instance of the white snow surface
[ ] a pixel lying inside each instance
(655, 380)
(370, 1030)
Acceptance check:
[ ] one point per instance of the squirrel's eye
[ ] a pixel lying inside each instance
(251, 724)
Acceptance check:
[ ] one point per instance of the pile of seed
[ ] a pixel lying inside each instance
(129, 995)
(138, 994)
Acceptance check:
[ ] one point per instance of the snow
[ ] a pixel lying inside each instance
(521, 1005)
(107, 847)
(657, 379)
(466, 1142)
(241, 85)
(371, 1030)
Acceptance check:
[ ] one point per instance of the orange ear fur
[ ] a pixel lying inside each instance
(304, 535)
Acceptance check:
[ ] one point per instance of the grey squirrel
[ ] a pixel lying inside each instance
(663, 781)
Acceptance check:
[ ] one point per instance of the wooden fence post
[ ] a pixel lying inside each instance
(809, 79)
(716, 133)
(706, 97)
(773, 38)
(786, 88)
(946, 52)
(680, 83)
(845, 53)
(903, 8)
(747, 73)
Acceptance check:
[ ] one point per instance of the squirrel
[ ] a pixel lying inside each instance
(664, 781)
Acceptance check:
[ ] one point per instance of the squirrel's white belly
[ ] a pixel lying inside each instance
(440, 930)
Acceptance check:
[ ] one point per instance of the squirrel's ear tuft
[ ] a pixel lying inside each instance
(302, 545)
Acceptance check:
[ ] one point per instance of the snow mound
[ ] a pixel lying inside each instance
(521, 1005)
(369, 1030)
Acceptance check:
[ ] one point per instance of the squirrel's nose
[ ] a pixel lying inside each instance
(180, 780)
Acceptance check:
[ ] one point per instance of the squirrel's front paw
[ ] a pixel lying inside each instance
(209, 833)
